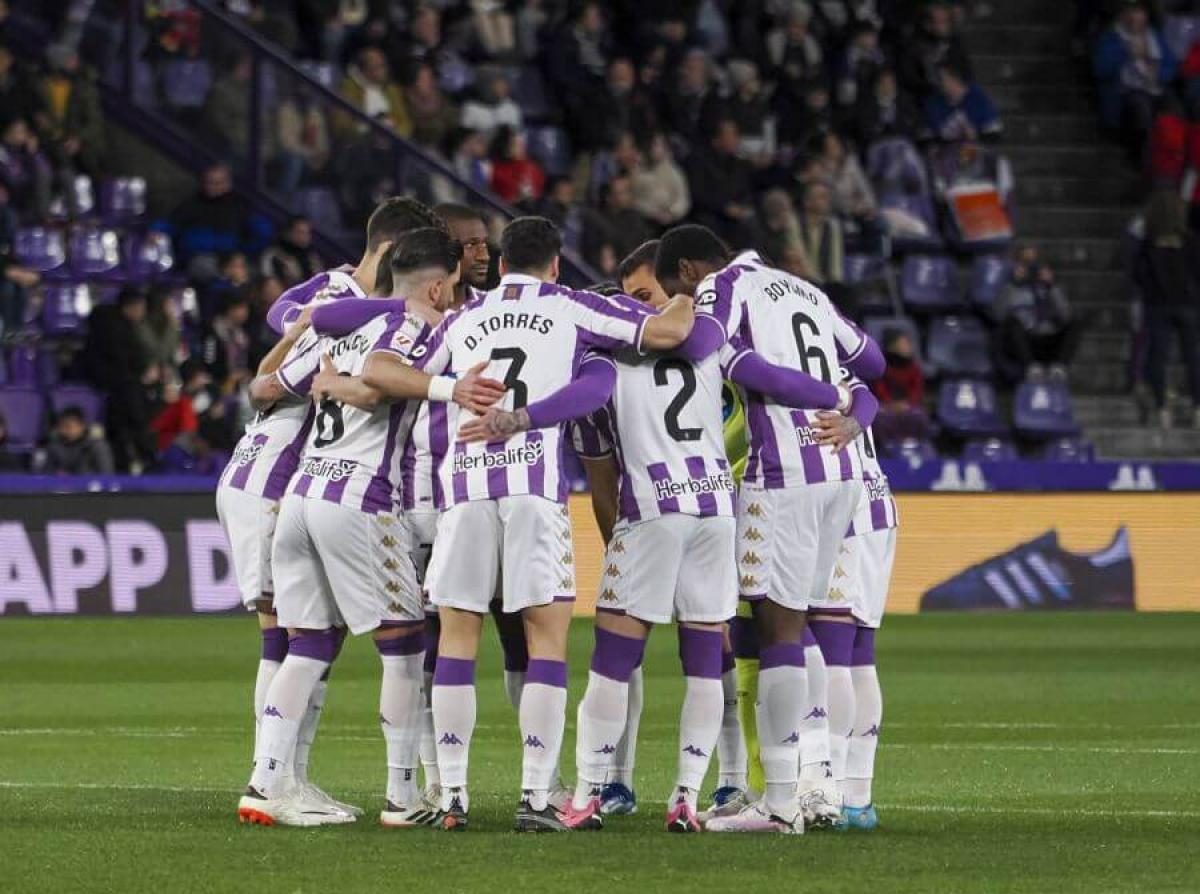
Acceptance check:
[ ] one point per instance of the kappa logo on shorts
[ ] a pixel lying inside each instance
(836, 595)
(607, 595)
(395, 608)
(817, 713)
(532, 741)
(388, 540)
(390, 564)
(449, 739)
(793, 739)
(567, 559)
(605, 749)
(694, 751)
(612, 570)
(750, 557)
(393, 587)
(567, 583)
(755, 510)
(753, 535)
(838, 572)
(272, 711)
(748, 581)
(618, 546)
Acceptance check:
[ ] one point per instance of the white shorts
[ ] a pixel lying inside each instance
(674, 566)
(335, 565)
(523, 542)
(873, 553)
(249, 522)
(788, 540)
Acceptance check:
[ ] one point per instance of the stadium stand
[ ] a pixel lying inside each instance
(896, 153)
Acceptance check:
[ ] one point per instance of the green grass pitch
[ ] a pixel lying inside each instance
(1055, 753)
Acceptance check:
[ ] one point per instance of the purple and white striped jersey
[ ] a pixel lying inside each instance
(877, 512)
(793, 324)
(352, 456)
(532, 335)
(428, 443)
(664, 424)
(336, 283)
(268, 452)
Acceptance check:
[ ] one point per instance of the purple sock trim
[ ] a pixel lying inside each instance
(547, 672)
(727, 662)
(809, 639)
(320, 645)
(700, 652)
(433, 630)
(274, 644)
(836, 641)
(616, 656)
(780, 655)
(413, 644)
(863, 654)
(454, 672)
(744, 634)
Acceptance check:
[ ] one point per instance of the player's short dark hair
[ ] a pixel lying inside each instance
(605, 288)
(530, 243)
(689, 242)
(396, 216)
(423, 249)
(638, 258)
(71, 412)
(455, 211)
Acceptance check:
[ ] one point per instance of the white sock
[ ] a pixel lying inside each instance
(428, 747)
(623, 760)
(262, 682)
(600, 722)
(860, 755)
(814, 723)
(780, 678)
(453, 718)
(731, 745)
(400, 709)
(286, 704)
(543, 715)
(841, 717)
(308, 730)
(699, 726)
(514, 682)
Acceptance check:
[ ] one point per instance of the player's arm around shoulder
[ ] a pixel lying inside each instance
(671, 326)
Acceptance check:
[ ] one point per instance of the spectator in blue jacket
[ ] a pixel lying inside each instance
(215, 222)
(1133, 65)
(961, 110)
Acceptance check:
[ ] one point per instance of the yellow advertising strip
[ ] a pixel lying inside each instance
(941, 535)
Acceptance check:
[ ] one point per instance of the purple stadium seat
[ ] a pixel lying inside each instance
(123, 200)
(929, 284)
(25, 413)
(23, 366)
(1069, 450)
(65, 309)
(915, 450)
(967, 408)
(145, 90)
(549, 146)
(1181, 32)
(895, 166)
(95, 252)
(989, 450)
(78, 200)
(989, 274)
(911, 207)
(529, 92)
(320, 205)
(89, 401)
(186, 82)
(147, 256)
(1043, 410)
(959, 346)
(42, 249)
(877, 326)
(4, 362)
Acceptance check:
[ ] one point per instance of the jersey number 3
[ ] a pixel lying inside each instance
(516, 361)
(679, 401)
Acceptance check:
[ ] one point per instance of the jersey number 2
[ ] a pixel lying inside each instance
(512, 382)
(679, 401)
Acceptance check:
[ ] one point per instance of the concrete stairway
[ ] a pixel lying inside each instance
(1075, 194)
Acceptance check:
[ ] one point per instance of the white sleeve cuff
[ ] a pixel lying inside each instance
(441, 389)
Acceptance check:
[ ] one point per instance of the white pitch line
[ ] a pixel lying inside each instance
(903, 807)
(989, 746)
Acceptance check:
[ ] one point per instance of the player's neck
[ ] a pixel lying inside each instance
(423, 309)
(364, 274)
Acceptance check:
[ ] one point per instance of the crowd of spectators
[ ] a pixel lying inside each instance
(1146, 62)
(758, 118)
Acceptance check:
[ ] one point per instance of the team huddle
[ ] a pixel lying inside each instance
(405, 476)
